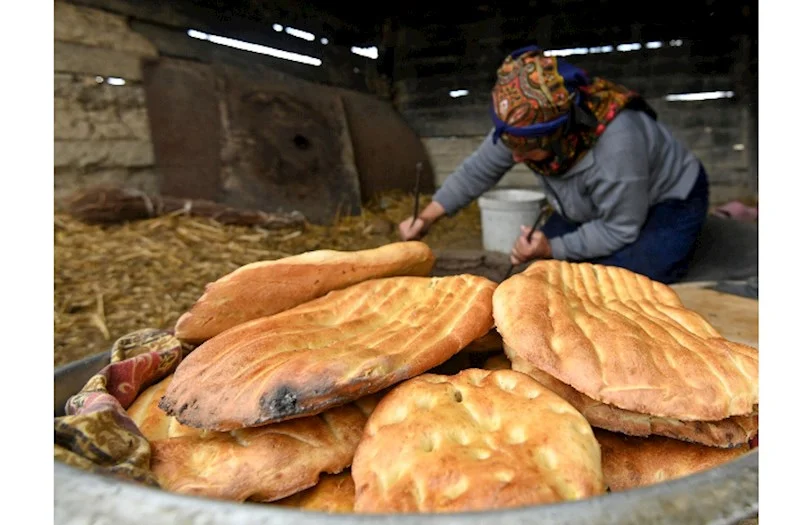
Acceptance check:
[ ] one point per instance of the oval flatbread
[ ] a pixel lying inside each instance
(474, 441)
(267, 287)
(260, 464)
(329, 351)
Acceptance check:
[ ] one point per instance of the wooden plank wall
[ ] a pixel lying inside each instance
(102, 132)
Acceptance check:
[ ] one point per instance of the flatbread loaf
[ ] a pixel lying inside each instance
(623, 339)
(477, 440)
(268, 287)
(630, 462)
(329, 351)
(333, 493)
(727, 433)
(264, 463)
(261, 464)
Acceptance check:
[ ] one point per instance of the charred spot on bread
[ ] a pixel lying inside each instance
(280, 404)
(165, 405)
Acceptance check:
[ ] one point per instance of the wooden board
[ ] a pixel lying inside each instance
(185, 126)
(735, 317)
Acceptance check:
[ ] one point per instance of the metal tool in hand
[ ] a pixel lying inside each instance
(543, 214)
(416, 193)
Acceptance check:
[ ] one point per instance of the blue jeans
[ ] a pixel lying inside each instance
(666, 241)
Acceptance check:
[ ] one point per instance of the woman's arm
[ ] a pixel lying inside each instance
(476, 174)
(479, 172)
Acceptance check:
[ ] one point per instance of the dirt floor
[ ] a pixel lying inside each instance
(111, 280)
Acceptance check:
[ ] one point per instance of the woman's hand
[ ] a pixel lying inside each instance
(411, 229)
(524, 251)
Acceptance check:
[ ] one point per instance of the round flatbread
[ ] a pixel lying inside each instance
(625, 340)
(474, 441)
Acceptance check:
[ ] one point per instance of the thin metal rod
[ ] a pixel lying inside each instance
(529, 236)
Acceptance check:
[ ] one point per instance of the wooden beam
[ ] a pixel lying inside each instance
(88, 60)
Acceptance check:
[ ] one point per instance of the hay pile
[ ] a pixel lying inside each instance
(115, 279)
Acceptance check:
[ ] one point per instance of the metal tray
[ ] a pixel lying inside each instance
(724, 495)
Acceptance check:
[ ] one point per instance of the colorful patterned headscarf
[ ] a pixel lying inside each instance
(540, 102)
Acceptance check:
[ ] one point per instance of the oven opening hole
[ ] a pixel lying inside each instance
(301, 142)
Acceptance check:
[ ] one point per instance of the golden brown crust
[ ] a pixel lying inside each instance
(329, 351)
(729, 432)
(333, 493)
(268, 287)
(473, 441)
(153, 422)
(625, 340)
(263, 463)
(631, 462)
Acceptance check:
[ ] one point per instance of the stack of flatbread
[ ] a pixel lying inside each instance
(625, 352)
(292, 356)
(344, 382)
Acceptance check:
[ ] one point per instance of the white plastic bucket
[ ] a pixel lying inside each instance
(503, 211)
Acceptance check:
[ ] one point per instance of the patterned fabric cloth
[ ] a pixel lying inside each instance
(96, 433)
(530, 89)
